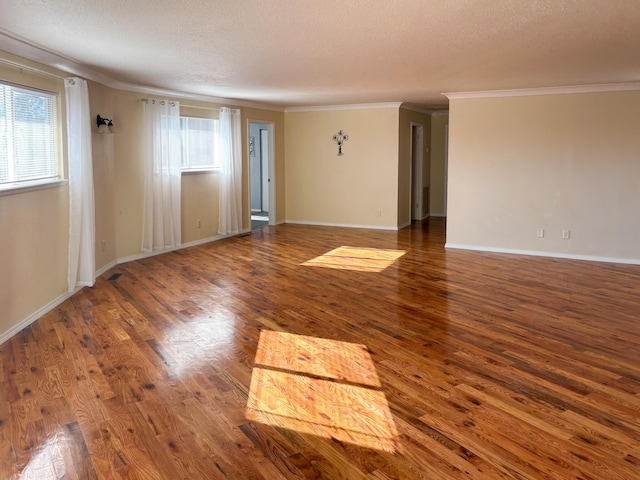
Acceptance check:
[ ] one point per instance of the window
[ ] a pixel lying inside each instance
(200, 137)
(28, 131)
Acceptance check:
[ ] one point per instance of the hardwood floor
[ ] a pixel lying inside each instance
(282, 355)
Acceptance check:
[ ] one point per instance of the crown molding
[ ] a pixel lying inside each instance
(45, 57)
(160, 92)
(433, 111)
(527, 92)
(416, 108)
(353, 106)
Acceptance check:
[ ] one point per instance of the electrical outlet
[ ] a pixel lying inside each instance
(566, 234)
(198, 223)
(379, 212)
(104, 245)
(540, 233)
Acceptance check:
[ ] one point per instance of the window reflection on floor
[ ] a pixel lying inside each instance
(357, 259)
(320, 387)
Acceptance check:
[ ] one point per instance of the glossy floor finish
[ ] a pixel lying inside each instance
(302, 352)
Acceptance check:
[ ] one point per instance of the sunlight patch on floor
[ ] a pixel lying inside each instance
(49, 459)
(357, 259)
(320, 387)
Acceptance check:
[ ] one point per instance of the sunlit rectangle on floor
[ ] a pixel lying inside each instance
(321, 357)
(357, 259)
(324, 408)
(322, 387)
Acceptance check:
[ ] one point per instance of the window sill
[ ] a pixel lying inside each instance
(15, 188)
(197, 171)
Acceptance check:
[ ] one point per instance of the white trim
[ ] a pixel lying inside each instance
(426, 111)
(193, 243)
(140, 256)
(415, 108)
(198, 171)
(354, 106)
(526, 92)
(159, 92)
(36, 315)
(54, 303)
(404, 225)
(16, 188)
(340, 225)
(569, 256)
(108, 266)
(38, 54)
(419, 167)
(440, 113)
(272, 166)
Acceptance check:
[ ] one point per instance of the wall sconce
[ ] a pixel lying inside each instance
(104, 125)
(340, 138)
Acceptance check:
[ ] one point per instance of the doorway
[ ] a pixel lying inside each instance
(419, 201)
(446, 165)
(261, 174)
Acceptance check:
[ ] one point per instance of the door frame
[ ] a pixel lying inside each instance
(270, 127)
(416, 167)
(446, 165)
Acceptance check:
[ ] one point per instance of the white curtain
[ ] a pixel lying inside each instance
(230, 172)
(162, 175)
(82, 261)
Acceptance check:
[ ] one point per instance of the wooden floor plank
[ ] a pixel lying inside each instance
(293, 352)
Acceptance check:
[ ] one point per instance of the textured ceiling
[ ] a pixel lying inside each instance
(328, 52)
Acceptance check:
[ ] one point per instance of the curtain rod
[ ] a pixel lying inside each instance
(160, 101)
(32, 69)
(147, 100)
(203, 108)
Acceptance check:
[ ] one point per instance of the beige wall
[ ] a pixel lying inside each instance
(103, 150)
(324, 188)
(407, 118)
(437, 190)
(34, 230)
(199, 191)
(129, 180)
(34, 225)
(554, 162)
(34, 246)
(199, 202)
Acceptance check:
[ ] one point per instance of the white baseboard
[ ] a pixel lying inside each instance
(54, 303)
(405, 224)
(35, 316)
(568, 256)
(108, 266)
(141, 255)
(342, 225)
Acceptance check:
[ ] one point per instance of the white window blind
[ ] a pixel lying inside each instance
(28, 125)
(200, 137)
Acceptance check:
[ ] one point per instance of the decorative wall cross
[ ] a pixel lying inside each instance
(340, 138)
